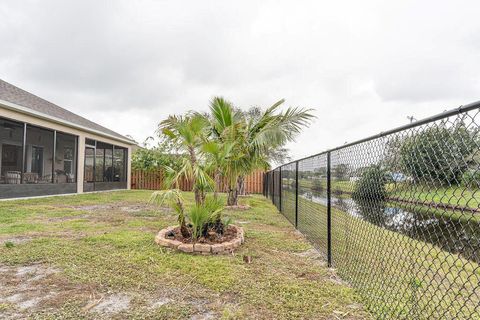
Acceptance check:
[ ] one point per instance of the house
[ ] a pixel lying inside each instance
(46, 150)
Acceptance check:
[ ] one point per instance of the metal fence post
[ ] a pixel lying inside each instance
(273, 187)
(329, 212)
(280, 183)
(296, 195)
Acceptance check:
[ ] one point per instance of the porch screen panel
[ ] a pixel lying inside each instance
(38, 156)
(99, 164)
(119, 164)
(65, 158)
(11, 151)
(89, 164)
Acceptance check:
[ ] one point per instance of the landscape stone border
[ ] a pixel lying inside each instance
(201, 248)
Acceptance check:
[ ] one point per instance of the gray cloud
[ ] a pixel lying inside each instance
(363, 66)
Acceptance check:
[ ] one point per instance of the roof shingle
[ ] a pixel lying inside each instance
(13, 94)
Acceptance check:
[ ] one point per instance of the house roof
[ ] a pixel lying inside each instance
(39, 106)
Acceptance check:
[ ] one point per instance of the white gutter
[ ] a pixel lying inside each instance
(28, 111)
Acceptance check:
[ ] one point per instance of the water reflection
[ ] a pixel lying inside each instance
(450, 234)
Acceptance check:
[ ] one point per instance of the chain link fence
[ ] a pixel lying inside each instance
(397, 215)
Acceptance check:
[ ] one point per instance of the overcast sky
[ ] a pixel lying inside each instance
(364, 66)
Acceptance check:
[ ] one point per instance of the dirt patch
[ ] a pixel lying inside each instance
(122, 207)
(69, 218)
(94, 207)
(15, 240)
(310, 254)
(204, 316)
(24, 289)
(134, 208)
(112, 304)
(157, 303)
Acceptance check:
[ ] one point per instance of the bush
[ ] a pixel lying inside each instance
(438, 154)
(341, 171)
(317, 185)
(471, 178)
(371, 185)
(153, 159)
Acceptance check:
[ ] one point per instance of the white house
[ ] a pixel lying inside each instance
(46, 149)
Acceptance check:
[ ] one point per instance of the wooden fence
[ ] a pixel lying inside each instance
(152, 180)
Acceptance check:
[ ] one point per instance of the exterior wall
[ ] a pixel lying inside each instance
(82, 135)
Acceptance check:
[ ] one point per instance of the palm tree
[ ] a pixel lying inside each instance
(216, 153)
(188, 133)
(251, 138)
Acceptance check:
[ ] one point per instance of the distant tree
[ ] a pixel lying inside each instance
(150, 159)
(318, 185)
(371, 185)
(320, 172)
(439, 154)
(340, 171)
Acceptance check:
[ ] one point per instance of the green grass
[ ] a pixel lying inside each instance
(455, 195)
(398, 277)
(100, 247)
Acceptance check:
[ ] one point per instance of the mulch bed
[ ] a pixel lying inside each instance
(212, 238)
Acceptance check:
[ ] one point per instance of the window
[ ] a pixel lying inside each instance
(11, 150)
(38, 156)
(65, 158)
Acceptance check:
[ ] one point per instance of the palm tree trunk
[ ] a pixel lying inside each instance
(241, 185)
(199, 194)
(232, 199)
(217, 184)
(181, 219)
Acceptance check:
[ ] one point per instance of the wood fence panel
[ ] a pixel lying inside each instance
(152, 180)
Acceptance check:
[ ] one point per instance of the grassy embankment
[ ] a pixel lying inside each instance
(398, 277)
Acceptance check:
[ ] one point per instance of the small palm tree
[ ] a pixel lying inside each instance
(174, 199)
(251, 137)
(188, 133)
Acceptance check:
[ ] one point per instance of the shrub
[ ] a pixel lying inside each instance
(471, 178)
(317, 185)
(201, 217)
(155, 158)
(198, 216)
(438, 154)
(371, 185)
(340, 171)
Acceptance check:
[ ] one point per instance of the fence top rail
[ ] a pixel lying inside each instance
(439, 116)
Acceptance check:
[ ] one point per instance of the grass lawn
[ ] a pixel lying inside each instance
(92, 256)
(399, 277)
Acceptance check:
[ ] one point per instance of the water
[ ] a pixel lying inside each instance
(452, 235)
